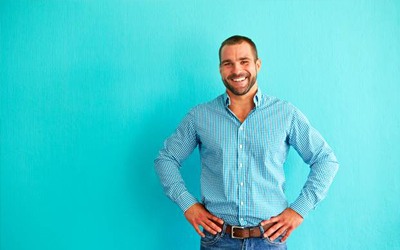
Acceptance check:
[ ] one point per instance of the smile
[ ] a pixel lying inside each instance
(238, 79)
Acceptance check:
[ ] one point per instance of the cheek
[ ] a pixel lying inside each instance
(250, 69)
(224, 73)
(254, 70)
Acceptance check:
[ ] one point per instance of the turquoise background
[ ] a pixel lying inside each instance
(90, 90)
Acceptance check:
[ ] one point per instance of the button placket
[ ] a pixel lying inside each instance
(241, 174)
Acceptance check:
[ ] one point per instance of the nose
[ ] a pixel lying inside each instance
(236, 68)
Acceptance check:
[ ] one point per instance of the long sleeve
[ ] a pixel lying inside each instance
(242, 174)
(314, 150)
(167, 165)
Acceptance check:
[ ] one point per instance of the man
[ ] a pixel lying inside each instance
(243, 138)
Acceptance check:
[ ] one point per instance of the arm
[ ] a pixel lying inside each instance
(315, 151)
(176, 149)
(323, 167)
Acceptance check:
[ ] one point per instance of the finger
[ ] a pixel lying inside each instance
(208, 228)
(272, 229)
(270, 220)
(278, 233)
(267, 226)
(216, 219)
(214, 226)
(286, 236)
(196, 227)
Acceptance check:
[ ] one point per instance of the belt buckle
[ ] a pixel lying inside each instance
(233, 232)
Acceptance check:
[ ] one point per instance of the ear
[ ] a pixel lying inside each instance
(258, 64)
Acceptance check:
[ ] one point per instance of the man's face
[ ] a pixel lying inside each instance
(239, 68)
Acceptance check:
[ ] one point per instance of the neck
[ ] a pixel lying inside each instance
(243, 101)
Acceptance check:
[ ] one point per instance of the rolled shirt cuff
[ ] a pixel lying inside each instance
(185, 201)
(302, 206)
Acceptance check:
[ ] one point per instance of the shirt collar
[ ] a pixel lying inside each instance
(257, 98)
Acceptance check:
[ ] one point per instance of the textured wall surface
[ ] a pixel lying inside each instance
(90, 89)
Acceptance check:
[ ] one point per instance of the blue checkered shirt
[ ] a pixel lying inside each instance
(242, 177)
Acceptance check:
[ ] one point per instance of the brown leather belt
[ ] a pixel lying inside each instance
(237, 232)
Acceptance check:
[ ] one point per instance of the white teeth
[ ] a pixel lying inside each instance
(239, 79)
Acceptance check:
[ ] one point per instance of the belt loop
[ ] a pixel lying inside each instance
(261, 230)
(223, 229)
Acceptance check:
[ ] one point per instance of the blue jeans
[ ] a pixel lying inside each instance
(224, 241)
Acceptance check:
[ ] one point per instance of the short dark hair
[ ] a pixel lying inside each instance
(237, 39)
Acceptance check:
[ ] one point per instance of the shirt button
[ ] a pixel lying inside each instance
(241, 184)
(241, 203)
(241, 128)
(240, 146)
(240, 165)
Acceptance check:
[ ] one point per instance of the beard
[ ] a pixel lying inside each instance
(236, 90)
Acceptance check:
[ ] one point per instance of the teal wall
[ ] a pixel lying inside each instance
(90, 89)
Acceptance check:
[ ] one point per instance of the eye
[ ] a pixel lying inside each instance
(244, 62)
(226, 64)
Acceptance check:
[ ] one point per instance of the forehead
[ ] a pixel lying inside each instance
(236, 51)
